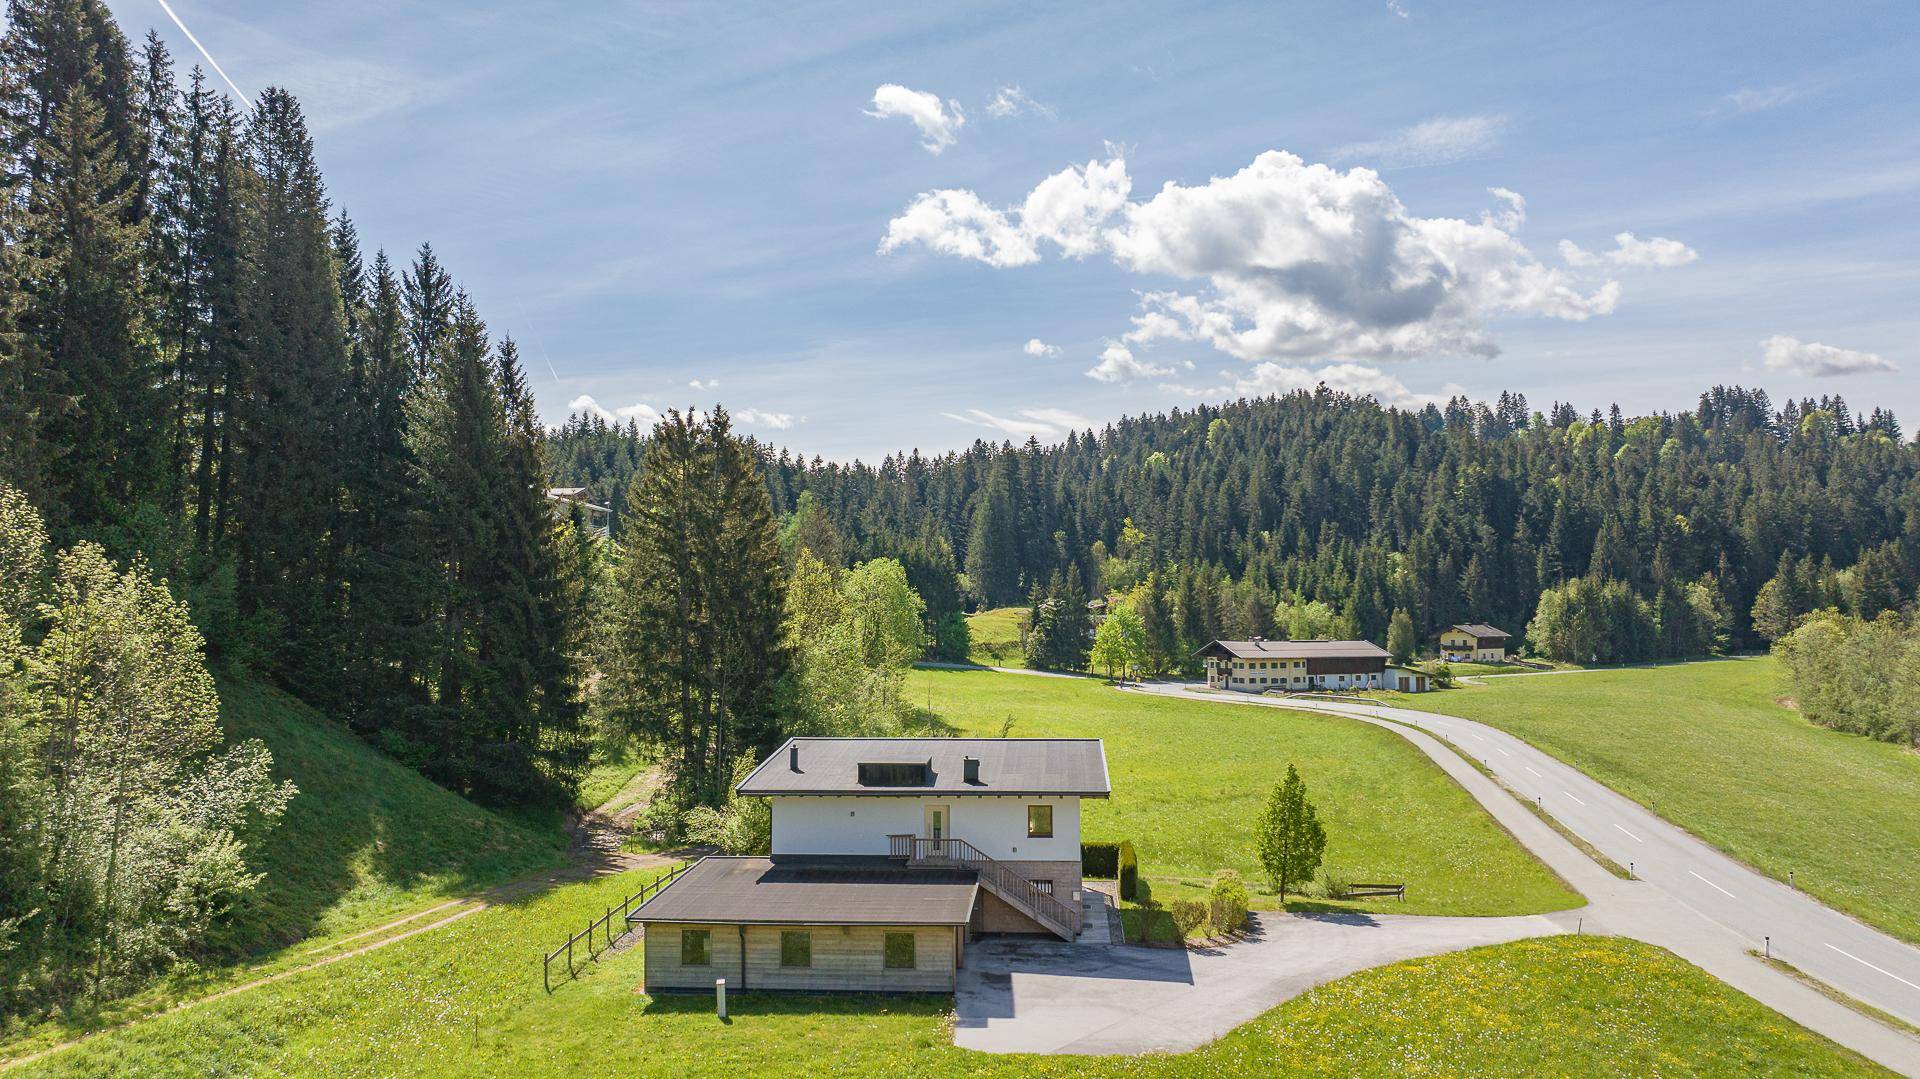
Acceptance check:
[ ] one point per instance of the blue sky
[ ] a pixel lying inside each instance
(653, 195)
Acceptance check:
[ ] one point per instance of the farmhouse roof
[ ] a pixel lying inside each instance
(1261, 648)
(731, 890)
(1481, 629)
(1002, 766)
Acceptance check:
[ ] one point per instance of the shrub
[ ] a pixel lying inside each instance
(1334, 885)
(1227, 904)
(1100, 861)
(1129, 871)
(1438, 673)
(1188, 915)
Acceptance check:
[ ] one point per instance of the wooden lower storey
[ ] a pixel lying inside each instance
(841, 958)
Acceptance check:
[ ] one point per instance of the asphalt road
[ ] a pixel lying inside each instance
(1689, 897)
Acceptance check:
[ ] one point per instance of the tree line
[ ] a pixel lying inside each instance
(1241, 514)
(333, 461)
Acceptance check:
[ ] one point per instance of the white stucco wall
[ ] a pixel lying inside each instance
(860, 824)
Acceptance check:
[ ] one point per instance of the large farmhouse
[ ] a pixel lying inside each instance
(1475, 642)
(1259, 665)
(888, 855)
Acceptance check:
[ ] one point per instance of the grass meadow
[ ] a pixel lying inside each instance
(365, 841)
(1189, 778)
(994, 637)
(1707, 746)
(468, 1001)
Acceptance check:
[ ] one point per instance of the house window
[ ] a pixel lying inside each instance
(899, 951)
(1039, 822)
(887, 774)
(1044, 887)
(696, 947)
(796, 948)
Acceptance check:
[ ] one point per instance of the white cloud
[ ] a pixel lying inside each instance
(708, 384)
(1294, 261)
(1630, 250)
(1013, 101)
(939, 122)
(1759, 98)
(1119, 364)
(639, 410)
(1357, 380)
(1397, 8)
(1438, 141)
(779, 421)
(960, 223)
(1040, 350)
(1038, 422)
(1792, 356)
(1511, 218)
(1066, 209)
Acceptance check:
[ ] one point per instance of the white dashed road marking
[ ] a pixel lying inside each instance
(1529, 768)
(1864, 963)
(1570, 794)
(1631, 836)
(1724, 892)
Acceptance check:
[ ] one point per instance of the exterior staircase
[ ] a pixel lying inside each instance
(1057, 917)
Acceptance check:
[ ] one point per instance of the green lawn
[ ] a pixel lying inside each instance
(366, 837)
(1707, 747)
(610, 774)
(994, 637)
(1190, 776)
(468, 1001)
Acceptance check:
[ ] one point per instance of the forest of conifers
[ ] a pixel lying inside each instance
(1468, 512)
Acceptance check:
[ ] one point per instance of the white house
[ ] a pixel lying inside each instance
(1259, 665)
(1474, 642)
(888, 853)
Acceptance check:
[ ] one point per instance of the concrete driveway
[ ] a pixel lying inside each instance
(1687, 897)
(1021, 995)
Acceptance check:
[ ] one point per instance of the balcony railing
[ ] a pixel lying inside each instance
(1003, 880)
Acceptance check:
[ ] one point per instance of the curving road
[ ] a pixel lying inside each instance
(1688, 897)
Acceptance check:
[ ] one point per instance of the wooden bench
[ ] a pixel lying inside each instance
(1362, 891)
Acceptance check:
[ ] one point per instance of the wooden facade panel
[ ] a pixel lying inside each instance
(665, 971)
(844, 959)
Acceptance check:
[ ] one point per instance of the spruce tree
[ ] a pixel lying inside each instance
(430, 302)
(697, 644)
(71, 136)
(993, 548)
(456, 430)
(289, 509)
(388, 562)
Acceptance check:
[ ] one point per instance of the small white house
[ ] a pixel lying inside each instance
(888, 853)
(1474, 642)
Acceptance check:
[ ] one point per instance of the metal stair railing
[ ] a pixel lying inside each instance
(1006, 882)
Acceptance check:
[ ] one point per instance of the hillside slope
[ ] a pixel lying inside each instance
(365, 838)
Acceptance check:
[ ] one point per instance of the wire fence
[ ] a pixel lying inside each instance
(599, 936)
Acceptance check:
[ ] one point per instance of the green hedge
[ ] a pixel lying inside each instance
(1100, 861)
(1129, 871)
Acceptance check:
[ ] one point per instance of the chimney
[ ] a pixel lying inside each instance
(970, 767)
(793, 758)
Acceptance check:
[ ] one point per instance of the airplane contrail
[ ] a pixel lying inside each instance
(168, 8)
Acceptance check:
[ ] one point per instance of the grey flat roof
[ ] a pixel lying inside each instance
(1008, 766)
(1264, 649)
(730, 891)
(1481, 629)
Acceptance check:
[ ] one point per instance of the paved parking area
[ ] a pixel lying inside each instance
(1028, 995)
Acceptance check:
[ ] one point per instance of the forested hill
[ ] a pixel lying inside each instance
(1464, 513)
